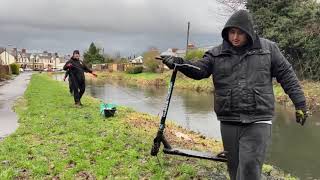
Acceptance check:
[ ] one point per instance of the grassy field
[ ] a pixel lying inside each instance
(311, 89)
(56, 140)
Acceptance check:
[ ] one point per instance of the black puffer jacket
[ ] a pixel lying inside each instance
(77, 69)
(243, 82)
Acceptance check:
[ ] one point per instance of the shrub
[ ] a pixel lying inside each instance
(152, 65)
(134, 69)
(149, 60)
(195, 54)
(15, 68)
(4, 77)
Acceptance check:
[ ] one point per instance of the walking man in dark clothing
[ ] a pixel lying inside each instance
(76, 70)
(69, 80)
(242, 68)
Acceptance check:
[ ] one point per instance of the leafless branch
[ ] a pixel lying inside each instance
(233, 5)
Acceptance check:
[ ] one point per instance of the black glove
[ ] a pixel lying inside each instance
(301, 113)
(171, 60)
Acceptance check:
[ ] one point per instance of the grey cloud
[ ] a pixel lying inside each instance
(118, 25)
(112, 16)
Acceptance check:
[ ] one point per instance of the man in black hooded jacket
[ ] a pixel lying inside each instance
(242, 68)
(76, 70)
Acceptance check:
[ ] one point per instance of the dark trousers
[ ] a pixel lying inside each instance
(246, 146)
(78, 88)
(70, 85)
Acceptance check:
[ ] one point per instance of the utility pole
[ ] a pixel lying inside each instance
(188, 37)
(5, 56)
(33, 62)
(17, 54)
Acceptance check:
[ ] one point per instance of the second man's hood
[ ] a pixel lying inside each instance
(242, 20)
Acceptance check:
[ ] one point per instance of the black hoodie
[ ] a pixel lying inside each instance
(242, 20)
(243, 81)
(77, 69)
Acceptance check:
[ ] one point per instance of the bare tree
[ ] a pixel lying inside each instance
(233, 5)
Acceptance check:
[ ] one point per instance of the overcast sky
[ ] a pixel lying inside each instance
(125, 26)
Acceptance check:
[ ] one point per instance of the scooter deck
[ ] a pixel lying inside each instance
(194, 154)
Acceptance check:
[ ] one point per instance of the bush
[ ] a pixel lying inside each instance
(195, 54)
(4, 77)
(134, 69)
(149, 60)
(15, 68)
(152, 65)
(295, 26)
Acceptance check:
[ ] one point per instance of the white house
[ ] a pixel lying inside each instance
(6, 58)
(137, 60)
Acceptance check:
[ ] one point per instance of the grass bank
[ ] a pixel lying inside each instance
(159, 79)
(56, 140)
(311, 89)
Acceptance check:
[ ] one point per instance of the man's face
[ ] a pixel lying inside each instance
(76, 56)
(237, 37)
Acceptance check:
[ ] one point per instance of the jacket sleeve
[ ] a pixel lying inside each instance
(65, 66)
(85, 68)
(285, 75)
(67, 73)
(205, 64)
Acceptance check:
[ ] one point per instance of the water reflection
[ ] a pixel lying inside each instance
(296, 148)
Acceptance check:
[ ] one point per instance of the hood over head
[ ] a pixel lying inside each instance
(241, 19)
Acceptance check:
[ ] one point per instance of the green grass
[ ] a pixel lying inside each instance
(56, 140)
(144, 75)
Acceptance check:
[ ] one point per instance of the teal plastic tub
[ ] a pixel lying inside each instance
(108, 109)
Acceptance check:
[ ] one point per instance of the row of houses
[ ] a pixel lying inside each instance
(34, 61)
(47, 60)
(138, 61)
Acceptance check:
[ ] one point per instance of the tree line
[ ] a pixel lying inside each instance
(295, 26)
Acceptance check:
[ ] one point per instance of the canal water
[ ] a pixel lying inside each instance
(294, 148)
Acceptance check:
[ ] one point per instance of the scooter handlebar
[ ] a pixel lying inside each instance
(181, 65)
(188, 65)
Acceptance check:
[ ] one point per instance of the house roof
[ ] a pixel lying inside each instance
(169, 52)
(10, 53)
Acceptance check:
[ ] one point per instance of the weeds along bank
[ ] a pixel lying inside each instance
(159, 79)
(311, 89)
(57, 140)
